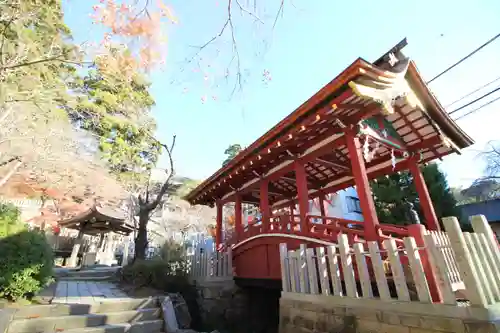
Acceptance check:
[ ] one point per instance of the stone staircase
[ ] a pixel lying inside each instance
(94, 274)
(134, 315)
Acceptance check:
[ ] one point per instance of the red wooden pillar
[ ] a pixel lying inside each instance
(322, 209)
(218, 227)
(265, 210)
(303, 195)
(362, 186)
(423, 194)
(238, 216)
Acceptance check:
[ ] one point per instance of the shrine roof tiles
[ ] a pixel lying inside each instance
(392, 97)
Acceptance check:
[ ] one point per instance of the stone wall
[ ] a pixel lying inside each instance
(225, 306)
(301, 313)
(222, 304)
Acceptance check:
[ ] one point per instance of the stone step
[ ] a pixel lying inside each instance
(150, 326)
(85, 278)
(56, 310)
(88, 272)
(63, 323)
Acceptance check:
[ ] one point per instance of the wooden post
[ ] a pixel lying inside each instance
(322, 209)
(423, 194)
(303, 195)
(218, 227)
(265, 210)
(362, 186)
(238, 223)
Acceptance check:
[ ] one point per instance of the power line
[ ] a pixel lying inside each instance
(474, 101)
(463, 59)
(478, 108)
(472, 92)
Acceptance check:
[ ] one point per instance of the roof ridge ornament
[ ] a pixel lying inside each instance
(387, 91)
(393, 60)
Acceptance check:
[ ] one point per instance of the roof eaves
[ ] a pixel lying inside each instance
(325, 92)
(439, 114)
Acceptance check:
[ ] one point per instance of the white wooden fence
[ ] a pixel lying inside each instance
(208, 265)
(459, 261)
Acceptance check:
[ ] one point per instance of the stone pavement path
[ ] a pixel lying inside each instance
(87, 292)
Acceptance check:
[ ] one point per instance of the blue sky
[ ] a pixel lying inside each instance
(310, 45)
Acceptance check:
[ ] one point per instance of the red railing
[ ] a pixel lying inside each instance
(328, 230)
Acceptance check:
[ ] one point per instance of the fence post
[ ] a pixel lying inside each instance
(333, 261)
(440, 268)
(363, 274)
(378, 269)
(229, 261)
(473, 289)
(311, 271)
(417, 270)
(303, 275)
(481, 226)
(285, 268)
(347, 266)
(323, 271)
(294, 271)
(397, 270)
(417, 231)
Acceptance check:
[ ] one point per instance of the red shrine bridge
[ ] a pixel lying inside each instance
(372, 120)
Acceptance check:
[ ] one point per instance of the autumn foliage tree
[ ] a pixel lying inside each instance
(98, 89)
(140, 27)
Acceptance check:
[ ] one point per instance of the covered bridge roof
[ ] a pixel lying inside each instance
(389, 91)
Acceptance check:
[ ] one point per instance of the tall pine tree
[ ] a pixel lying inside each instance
(391, 192)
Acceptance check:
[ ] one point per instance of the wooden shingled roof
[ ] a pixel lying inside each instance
(394, 92)
(97, 220)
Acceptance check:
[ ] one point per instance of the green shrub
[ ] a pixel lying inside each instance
(158, 274)
(26, 258)
(172, 251)
(10, 223)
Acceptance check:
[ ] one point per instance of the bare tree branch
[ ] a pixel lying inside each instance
(280, 12)
(235, 66)
(153, 204)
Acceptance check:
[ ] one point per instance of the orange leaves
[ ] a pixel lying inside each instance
(140, 26)
(167, 12)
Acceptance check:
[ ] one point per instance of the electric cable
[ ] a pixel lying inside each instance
(464, 58)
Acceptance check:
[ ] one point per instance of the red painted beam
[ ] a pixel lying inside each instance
(238, 216)
(265, 209)
(363, 189)
(400, 166)
(303, 198)
(218, 227)
(423, 194)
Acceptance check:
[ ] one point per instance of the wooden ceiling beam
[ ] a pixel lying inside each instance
(329, 164)
(274, 190)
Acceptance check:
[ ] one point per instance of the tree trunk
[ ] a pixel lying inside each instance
(141, 242)
(11, 172)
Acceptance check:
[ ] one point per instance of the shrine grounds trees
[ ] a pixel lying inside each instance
(27, 259)
(390, 193)
(231, 152)
(78, 117)
(486, 187)
(492, 158)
